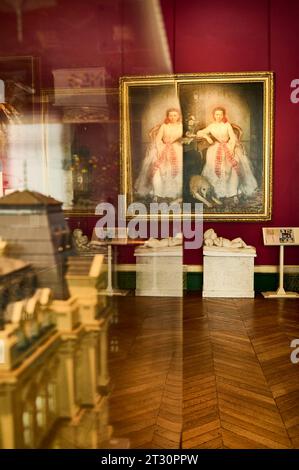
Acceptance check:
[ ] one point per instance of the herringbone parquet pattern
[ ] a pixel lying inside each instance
(240, 388)
(146, 372)
(199, 373)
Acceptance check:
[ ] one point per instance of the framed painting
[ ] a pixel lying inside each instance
(199, 138)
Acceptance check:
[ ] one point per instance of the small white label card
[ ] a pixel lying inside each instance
(281, 235)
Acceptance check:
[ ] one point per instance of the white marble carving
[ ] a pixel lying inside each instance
(164, 242)
(211, 239)
(228, 267)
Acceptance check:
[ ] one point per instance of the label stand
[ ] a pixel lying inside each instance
(110, 290)
(281, 293)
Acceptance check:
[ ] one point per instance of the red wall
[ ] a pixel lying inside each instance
(203, 37)
(248, 36)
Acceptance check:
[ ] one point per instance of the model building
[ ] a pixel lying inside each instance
(35, 227)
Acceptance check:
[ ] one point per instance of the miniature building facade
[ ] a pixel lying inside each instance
(17, 281)
(53, 351)
(37, 232)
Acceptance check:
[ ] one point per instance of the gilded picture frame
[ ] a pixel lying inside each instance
(205, 138)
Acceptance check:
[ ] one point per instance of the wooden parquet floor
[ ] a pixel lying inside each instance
(240, 388)
(200, 373)
(146, 372)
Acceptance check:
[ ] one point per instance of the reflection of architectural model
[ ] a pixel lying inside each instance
(53, 353)
(17, 281)
(37, 232)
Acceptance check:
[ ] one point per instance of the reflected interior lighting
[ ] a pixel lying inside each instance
(34, 159)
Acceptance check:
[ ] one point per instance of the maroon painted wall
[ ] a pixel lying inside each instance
(248, 36)
(203, 37)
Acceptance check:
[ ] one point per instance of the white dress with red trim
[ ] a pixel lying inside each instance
(227, 166)
(162, 170)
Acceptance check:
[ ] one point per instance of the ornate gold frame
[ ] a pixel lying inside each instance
(266, 78)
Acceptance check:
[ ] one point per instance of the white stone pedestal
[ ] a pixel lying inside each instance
(159, 271)
(228, 272)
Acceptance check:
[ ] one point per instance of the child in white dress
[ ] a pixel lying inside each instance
(227, 167)
(161, 174)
